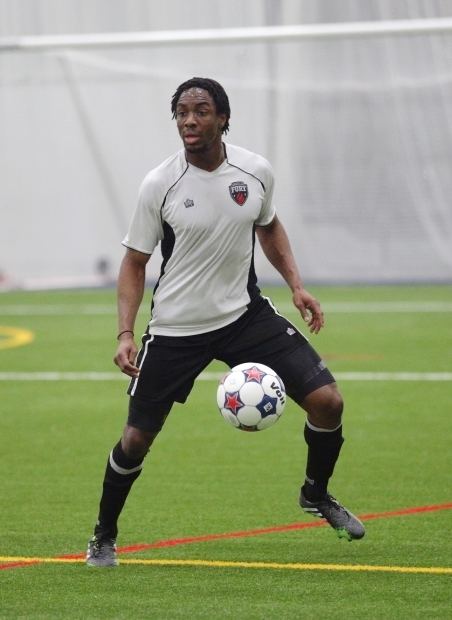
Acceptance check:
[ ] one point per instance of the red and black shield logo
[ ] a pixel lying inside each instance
(239, 192)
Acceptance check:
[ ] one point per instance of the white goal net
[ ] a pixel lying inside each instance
(355, 119)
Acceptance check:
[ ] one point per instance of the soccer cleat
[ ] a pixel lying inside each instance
(101, 552)
(344, 522)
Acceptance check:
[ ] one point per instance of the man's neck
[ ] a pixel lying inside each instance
(207, 160)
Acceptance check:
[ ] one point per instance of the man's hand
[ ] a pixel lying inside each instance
(309, 309)
(125, 356)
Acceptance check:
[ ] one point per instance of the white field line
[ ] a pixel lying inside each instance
(363, 307)
(56, 310)
(216, 376)
(377, 307)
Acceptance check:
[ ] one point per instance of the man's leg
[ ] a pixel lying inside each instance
(265, 336)
(124, 465)
(323, 434)
(168, 368)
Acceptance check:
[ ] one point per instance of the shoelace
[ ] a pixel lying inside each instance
(96, 548)
(335, 503)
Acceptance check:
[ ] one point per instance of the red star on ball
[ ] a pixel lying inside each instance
(254, 374)
(233, 402)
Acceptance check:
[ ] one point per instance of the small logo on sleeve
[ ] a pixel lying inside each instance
(239, 192)
(189, 203)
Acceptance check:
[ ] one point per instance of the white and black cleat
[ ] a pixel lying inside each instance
(101, 552)
(342, 520)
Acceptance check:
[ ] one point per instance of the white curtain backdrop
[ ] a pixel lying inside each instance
(358, 129)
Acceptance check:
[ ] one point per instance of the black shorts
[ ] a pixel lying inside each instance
(169, 365)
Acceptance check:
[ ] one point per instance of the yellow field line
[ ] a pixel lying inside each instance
(431, 570)
(11, 337)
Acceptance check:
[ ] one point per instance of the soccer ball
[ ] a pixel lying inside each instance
(251, 397)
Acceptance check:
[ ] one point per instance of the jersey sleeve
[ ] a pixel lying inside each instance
(146, 229)
(268, 210)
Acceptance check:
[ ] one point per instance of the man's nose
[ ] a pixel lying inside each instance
(190, 119)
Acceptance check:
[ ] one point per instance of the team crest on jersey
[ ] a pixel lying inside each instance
(239, 192)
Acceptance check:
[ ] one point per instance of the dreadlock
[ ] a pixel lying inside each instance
(215, 90)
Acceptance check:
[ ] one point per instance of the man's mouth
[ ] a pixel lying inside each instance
(191, 138)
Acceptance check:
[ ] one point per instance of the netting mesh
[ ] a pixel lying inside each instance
(358, 131)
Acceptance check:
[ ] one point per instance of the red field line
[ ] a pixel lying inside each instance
(406, 511)
(173, 542)
(18, 564)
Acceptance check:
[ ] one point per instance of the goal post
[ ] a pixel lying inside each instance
(228, 35)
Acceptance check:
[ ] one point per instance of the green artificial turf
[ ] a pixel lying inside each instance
(204, 478)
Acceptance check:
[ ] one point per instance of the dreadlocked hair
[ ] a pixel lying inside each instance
(215, 90)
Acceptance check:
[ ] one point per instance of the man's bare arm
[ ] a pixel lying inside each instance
(276, 247)
(131, 283)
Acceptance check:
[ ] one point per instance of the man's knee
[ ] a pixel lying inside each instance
(136, 442)
(324, 406)
(332, 402)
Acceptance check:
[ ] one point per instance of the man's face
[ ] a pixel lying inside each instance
(197, 120)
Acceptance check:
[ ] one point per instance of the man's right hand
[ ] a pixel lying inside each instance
(126, 354)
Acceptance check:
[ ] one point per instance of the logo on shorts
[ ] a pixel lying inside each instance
(291, 331)
(239, 192)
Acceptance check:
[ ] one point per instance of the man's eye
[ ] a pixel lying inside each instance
(180, 114)
(202, 112)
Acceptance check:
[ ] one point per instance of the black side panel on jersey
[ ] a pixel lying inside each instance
(169, 238)
(167, 246)
(252, 288)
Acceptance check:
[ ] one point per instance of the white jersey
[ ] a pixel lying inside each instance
(205, 224)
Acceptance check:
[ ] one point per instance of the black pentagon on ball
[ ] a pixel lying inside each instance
(267, 406)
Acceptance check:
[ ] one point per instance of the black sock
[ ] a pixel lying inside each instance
(323, 452)
(120, 473)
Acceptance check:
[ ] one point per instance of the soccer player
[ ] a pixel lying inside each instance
(205, 205)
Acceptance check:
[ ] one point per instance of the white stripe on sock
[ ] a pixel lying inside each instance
(317, 429)
(122, 470)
